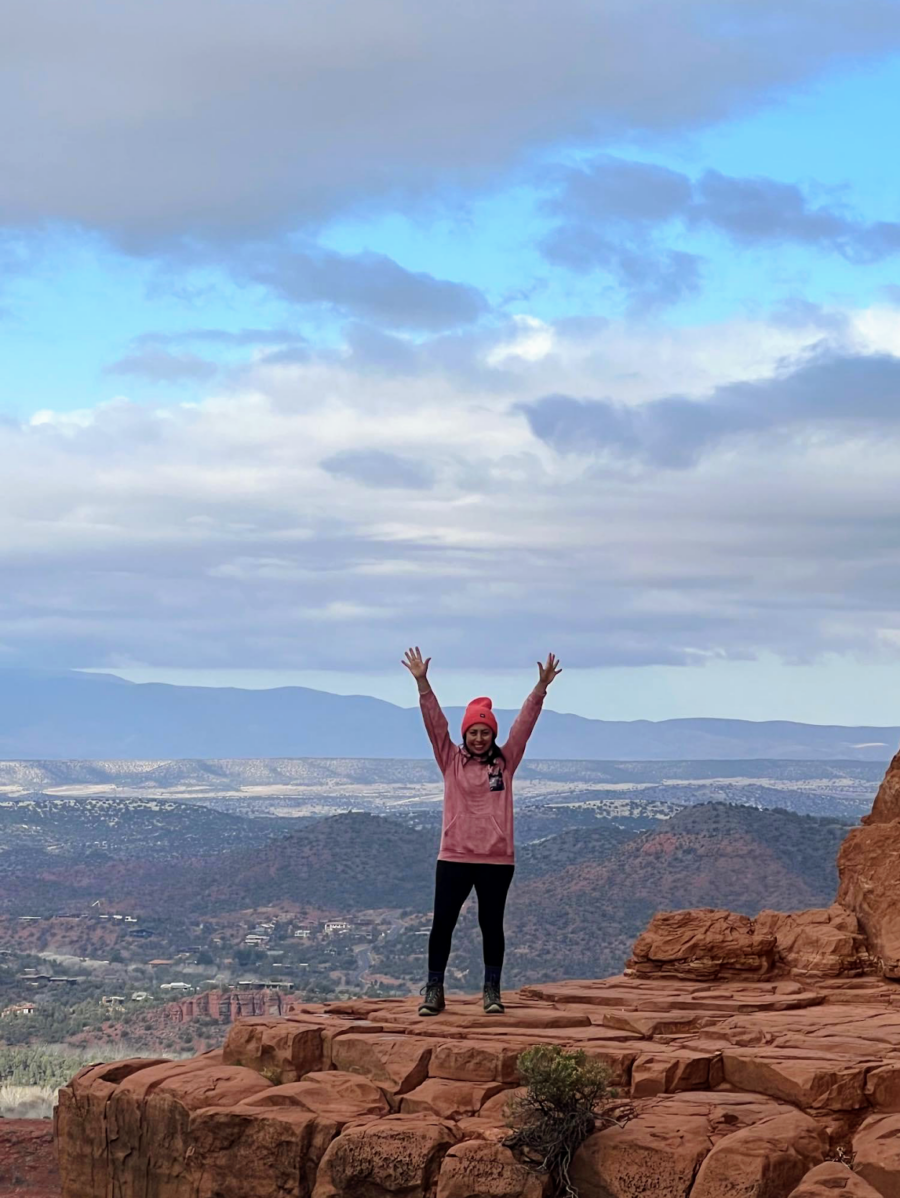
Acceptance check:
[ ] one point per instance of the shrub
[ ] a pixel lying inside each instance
(560, 1108)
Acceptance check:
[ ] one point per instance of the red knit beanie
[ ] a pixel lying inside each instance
(479, 712)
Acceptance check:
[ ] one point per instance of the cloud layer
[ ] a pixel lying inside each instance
(319, 514)
(231, 122)
(618, 216)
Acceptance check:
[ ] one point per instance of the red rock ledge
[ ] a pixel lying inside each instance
(739, 1089)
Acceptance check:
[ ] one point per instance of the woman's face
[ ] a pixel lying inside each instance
(479, 739)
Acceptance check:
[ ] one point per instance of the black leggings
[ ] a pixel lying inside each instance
(453, 882)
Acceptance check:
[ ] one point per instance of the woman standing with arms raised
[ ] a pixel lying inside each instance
(477, 847)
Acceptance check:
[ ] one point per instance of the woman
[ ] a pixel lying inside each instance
(477, 835)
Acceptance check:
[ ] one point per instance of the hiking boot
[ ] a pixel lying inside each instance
(492, 1003)
(433, 1002)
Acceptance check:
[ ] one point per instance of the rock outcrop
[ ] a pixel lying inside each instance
(743, 1088)
(709, 945)
(870, 878)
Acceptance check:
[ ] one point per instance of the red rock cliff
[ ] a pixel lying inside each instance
(869, 868)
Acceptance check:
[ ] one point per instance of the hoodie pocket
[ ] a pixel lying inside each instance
(475, 836)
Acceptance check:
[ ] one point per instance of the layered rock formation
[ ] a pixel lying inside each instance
(711, 945)
(756, 1058)
(735, 1089)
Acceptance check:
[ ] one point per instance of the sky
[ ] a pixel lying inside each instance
(330, 329)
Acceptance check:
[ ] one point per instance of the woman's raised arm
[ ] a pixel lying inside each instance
(523, 724)
(435, 721)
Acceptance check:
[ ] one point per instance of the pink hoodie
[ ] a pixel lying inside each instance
(478, 817)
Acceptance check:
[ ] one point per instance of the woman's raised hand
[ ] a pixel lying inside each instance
(414, 663)
(548, 671)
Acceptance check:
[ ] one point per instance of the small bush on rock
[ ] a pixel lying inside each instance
(563, 1104)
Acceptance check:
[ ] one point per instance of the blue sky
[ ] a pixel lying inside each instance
(461, 328)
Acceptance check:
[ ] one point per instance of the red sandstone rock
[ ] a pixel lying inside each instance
(702, 944)
(870, 888)
(817, 943)
(886, 808)
(663, 1023)
(399, 1062)
(870, 883)
(400, 1155)
(81, 1124)
(667, 1072)
(883, 1087)
(231, 1148)
(832, 1180)
(284, 1049)
(876, 1153)
(113, 1135)
(765, 1159)
(476, 1169)
(831, 1047)
(659, 1152)
(481, 1060)
(448, 1099)
(807, 1080)
(332, 1093)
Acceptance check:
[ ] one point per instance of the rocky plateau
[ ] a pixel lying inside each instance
(754, 1058)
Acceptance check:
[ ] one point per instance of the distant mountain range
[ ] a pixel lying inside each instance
(63, 714)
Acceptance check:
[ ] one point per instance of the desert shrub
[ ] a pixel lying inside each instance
(26, 1102)
(562, 1105)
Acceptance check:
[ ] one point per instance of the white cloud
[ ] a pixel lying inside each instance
(208, 535)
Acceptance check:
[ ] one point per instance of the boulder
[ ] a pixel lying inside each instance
(876, 1153)
(281, 1049)
(827, 942)
(396, 1156)
(477, 1169)
(762, 1160)
(702, 945)
(833, 1180)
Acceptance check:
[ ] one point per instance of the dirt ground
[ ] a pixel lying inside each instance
(28, 1159)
